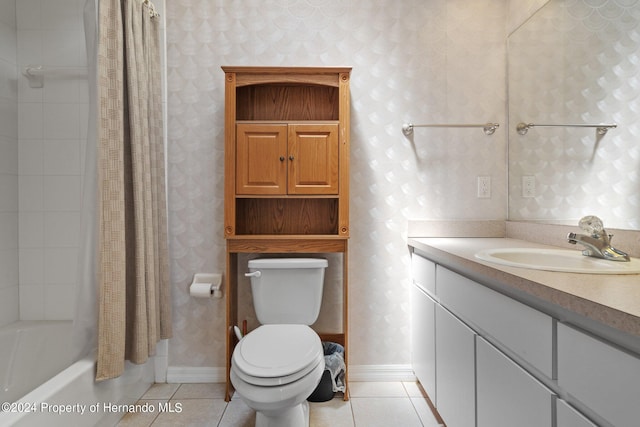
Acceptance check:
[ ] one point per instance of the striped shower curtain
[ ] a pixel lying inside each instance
(134, 295)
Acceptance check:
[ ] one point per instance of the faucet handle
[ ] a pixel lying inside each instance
(592, 225)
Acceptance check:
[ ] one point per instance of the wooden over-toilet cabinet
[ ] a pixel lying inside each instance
(286, 172)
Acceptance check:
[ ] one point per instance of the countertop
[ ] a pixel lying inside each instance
(612, 300)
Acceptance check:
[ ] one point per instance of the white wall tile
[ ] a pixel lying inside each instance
(31, 154)
(31, 302)
(62, 157)
(30, 121)
(60, 265)
(31, 229)
(31, 193)
(61, 193)
(61, 15)
(8, 230)
(63, 48)
(8, 12)
(9, 307)
(8, 268)
(50, 129)
(31, 266)
(8, 122)
(29, 14)
(9, 272)
(8, 193)
(61, 121)
(30, 47)
(61, 229)
(59, 302)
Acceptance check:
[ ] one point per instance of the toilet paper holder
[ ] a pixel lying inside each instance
(212, 279)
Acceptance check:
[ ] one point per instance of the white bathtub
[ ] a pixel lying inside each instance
(42, 389)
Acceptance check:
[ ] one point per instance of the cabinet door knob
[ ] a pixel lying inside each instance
(282, 158)
(291, 157)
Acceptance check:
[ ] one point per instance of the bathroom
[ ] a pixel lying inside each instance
(441, 61)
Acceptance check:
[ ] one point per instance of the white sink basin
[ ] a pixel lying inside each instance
(566, 260)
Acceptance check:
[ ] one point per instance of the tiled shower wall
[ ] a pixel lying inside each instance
(9, 292)
(440, 61)
(52, 129)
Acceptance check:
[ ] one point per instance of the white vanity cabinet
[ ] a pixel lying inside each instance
(507, 395)
(500, 362)
(526, 332)
(423, 353)
(602, 377)
(455, 370)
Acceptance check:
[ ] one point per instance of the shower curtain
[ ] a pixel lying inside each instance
(132, 262)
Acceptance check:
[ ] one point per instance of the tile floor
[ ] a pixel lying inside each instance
(372, 404)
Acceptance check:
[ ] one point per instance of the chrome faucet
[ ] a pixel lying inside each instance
(597, 243)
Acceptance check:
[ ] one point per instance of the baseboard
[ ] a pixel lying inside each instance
(195, 374)
(382, 373)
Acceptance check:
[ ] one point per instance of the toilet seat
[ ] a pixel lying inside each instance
(277, 354)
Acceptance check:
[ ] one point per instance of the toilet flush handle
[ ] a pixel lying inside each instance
(254, 274)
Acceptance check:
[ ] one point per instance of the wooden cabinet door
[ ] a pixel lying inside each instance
(261, 159)
(313, 159)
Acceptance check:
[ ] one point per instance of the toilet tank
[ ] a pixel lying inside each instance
(287, 290)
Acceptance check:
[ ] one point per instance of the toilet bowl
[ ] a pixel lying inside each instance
(274, 369)
(278, 365)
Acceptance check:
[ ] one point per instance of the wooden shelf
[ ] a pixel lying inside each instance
(309, 213)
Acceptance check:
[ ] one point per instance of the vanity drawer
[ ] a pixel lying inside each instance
(423, 273)
(526, 332)
(601, 376)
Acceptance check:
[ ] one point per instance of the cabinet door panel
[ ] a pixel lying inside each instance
(423, 340)
(507, 395)
(455, 370)
(602, 377)
(423, 273)
(313, 159)
(525, 331)
(259, 168)
(569, 417)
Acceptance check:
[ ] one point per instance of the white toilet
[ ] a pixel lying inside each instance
(278, 365)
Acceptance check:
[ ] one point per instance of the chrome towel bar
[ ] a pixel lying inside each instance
(602, 129)
(489, 128)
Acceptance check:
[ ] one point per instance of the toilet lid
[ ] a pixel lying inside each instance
(273, 351)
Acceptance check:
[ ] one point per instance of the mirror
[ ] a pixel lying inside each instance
(576, 62)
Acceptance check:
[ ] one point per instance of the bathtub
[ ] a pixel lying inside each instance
(42, 387)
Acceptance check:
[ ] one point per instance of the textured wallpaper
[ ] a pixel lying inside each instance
(413, 61)
(576, 62)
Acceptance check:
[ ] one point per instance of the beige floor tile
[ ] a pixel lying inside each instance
(193, 413)
(424, 412)
(335, 413)
(412, 388)
(377, 389)
(200, 391)
(238, 414)
(383, 412)
(161, 391)
(141, 419)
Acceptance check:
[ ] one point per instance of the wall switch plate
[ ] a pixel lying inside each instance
(484, 187)
(528, 186)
